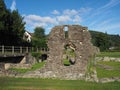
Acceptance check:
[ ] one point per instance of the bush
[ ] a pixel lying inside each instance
(37, 55)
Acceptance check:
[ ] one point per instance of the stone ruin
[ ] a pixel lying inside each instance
(78, 41)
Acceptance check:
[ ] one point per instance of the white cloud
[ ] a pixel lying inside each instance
(55, 12)
(63, 18)
(84, 10)
(68, 16)
(77, 19)
(13, 5)
(70, 12)
(33, 21)
(36, 18)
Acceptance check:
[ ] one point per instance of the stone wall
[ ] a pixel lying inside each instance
(80, 40)
(19, 66)
(107, 59)
(2, 66)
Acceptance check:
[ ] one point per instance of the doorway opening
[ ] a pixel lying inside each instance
(69, 55)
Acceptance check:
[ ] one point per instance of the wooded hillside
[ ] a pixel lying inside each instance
(105, 41)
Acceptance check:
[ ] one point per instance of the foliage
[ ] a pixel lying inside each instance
(34, 67)
(12, 26)
(91, 66)
(114, 41)
(39, 39)
(100, 40)
(104, 41)
(50, 84)
(109, 54)
(37, 55)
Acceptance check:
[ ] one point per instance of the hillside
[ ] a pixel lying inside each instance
(105, 41)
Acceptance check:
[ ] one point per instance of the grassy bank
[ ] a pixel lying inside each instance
(48, 84)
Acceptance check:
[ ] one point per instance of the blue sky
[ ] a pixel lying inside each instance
(99, 15)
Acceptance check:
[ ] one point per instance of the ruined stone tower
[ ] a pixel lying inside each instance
(75, 47)
(80, 40)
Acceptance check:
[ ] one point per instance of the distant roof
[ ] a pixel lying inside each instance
(29, 33)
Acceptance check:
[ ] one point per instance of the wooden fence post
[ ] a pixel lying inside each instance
(3, 51)
(13, 51)
(20, 49)
(26, 49)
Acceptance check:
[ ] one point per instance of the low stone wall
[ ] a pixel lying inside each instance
(20, 66)
(2, 66)
(107, 59)
(106, 80)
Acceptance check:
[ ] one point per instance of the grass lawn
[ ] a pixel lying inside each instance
(49, 84)
(7, 83)
(103, 73)
(109, 54)
(34, 67)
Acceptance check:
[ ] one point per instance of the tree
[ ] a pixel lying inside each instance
(12, 26)
(2, 14)
(100, 40)
(4, 17)
(18, 26)
(39, 38)
(39, 32)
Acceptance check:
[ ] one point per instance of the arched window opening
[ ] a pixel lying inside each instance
(66, 31)
(69, 55)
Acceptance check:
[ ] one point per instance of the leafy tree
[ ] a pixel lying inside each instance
(100, 40)
(12, 26)
(18, 26)
(2, 14)
(39, 32)
(39, 38)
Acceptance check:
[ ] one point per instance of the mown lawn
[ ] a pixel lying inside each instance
(34, 67)
(103, 73)
(109, 54)
(49, 84)
(7, 83)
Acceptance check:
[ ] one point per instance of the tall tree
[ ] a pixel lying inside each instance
(39, 38)
(18, 26)
(100, 40)
(4, 17)
(39, 32)
(2, 14)
(12, 26)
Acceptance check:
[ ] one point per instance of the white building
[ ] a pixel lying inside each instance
(27, 36)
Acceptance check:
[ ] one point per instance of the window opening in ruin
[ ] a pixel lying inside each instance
(69, 55)
(66, 31)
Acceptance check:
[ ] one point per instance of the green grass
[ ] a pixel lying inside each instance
(103, 73)
(49, 84)
(34, 67)
(66, 62)
(109, 54)
(115, 65)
